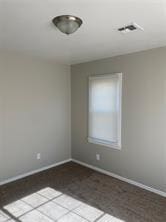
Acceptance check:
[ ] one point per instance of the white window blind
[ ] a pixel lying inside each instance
(105, 110)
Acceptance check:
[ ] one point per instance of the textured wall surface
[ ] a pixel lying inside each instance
(34, 114)
(143, 154)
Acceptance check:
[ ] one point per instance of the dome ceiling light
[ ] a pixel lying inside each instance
(67, 23)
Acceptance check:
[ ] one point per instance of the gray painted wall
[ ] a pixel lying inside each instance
(143, 154)
(34, 114)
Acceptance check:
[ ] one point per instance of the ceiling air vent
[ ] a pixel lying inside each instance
(130, 28)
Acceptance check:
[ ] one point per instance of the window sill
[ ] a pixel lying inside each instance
(104, 143)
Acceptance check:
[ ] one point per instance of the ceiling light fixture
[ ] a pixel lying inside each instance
(67, 23)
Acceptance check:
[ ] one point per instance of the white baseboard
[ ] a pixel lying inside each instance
(161, 193)
(33, 172)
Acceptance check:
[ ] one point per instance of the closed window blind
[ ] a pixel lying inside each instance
(105, 109)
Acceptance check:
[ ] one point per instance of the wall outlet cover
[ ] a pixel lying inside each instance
(97, 156)
(38, 156)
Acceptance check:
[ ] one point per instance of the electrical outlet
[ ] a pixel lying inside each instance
(98, 157)
(38, 156)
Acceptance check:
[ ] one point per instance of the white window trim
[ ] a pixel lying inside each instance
(109, 144)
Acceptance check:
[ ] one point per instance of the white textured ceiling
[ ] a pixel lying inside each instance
(25, 26)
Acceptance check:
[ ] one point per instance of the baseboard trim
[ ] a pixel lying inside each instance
(161, 193)
(33, 172)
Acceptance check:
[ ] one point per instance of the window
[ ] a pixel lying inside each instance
(105, 110)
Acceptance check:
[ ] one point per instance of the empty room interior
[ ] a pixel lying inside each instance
(82, 111)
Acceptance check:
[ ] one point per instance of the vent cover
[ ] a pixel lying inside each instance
(130, 28)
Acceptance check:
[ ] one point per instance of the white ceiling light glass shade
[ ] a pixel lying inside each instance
(67, 23)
